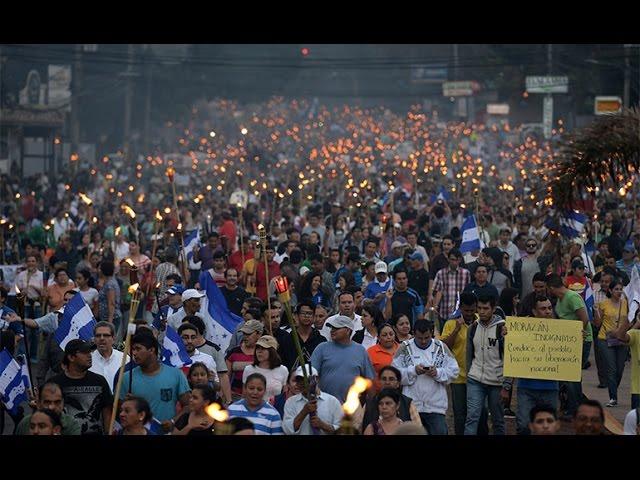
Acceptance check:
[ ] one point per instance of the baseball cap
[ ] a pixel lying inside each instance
(267, 341)
(304, 270)
(397, 225)
(396, 244)
(252, 326)
(190, 293)
(176, 290)
(416, 256)
(340, 321)
(300, 373)
(381, 267)
(75, 346)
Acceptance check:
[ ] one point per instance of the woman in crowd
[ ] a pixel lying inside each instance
(371, 319)
(196, 421)
(109, 297)
(62, 284)
(135, 413)
(268, 363)
(381, 354)
(311, 287)
(389, 378)
(240, 357)
(611, 312)
(89, 294)
(388, 408)
(320, 315)
(252, 406)
(402, 326)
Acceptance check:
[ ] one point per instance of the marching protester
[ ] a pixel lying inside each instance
(366, 265)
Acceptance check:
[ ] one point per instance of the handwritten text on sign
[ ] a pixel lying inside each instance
(546, 349)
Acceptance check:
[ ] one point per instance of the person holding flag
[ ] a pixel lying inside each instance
(14, 384)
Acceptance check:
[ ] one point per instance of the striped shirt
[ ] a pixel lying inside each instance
(266, 419)
(450, 283)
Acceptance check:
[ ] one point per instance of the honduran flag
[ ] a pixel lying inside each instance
(470, 235)
(442, 194)
(14, 382)
(220, 322)
(173, 351)
(569, 224)
(77, 322)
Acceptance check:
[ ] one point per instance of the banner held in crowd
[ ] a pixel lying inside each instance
(546, 349)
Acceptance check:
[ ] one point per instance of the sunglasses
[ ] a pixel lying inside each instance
(532, 245)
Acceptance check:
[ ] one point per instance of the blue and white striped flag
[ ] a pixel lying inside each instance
(456, 311)
(589, 300)
(174, 352)
(220, 322)
(77, 322)
(442, 194)
(14, 382)
(387, 197)
(569, 224)
(190, 242)
(470, 235)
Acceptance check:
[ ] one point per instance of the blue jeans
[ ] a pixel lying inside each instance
(434, 423)
(529, 398)
(614, 358)
(574, 396)
(477, 394)
(459, 406)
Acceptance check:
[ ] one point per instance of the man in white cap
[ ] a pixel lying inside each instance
(397, 248)
(341, 360)
(312, 411)
(190, 306)
(375, 292)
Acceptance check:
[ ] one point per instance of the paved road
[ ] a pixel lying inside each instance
(589, 387)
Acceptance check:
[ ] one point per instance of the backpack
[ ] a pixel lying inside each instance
(472, 333)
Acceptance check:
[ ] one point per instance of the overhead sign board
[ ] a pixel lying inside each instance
(428, 74)
(460, 89)
(498, 108)
(548, 84)
(607, 105)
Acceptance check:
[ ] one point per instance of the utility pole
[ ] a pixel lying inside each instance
(76, 89)
(147, 103)
(455, 61)
(547, 103)
(128, 100)
(626, 96)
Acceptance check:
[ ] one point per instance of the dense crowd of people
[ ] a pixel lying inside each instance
(363, 210)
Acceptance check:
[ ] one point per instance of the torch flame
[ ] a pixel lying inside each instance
(170, 173)
(353, 402)
(133, 288)
(17, 290)
(157, 285)
(129, 211)
(85, 199)
(117, 231)
(130, 262)
(216, 412)
(158, 216)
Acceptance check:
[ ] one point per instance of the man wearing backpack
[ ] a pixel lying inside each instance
(485, 364)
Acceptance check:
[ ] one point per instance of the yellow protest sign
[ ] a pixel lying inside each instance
(541, 348)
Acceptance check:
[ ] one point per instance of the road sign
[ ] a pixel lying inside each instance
(498, 108)
(547, 115)
(607, 105)
(460, 89)
(547, 84)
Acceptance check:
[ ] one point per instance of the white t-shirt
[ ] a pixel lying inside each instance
(631, 423)
(90, 296)
(276, 378)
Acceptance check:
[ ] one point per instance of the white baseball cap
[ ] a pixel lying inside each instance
(300, 373)
(381, 267)
(191, 293)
